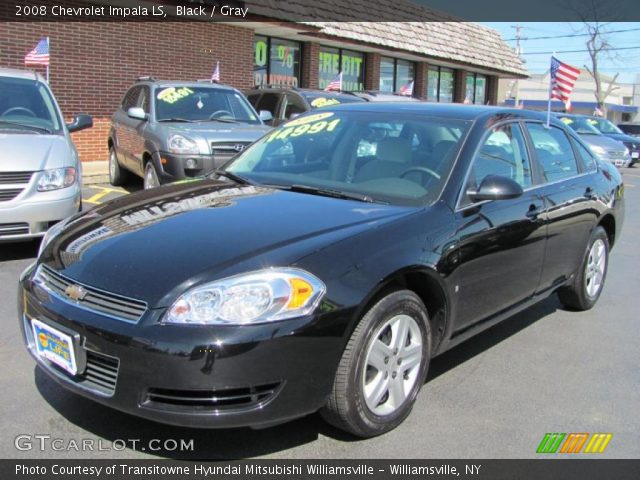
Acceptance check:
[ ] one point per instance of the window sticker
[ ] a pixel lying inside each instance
(309, 119)
(293, 131)
(566, 120)
(324, 102)
(173, 94)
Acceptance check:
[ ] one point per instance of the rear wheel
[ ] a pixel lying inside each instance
(117, 175)
(587, 285)
(150, 176)
(382, 368)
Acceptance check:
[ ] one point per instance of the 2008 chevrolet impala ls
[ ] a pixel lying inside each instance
(323, 267)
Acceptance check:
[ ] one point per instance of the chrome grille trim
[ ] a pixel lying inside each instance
(96, 300)
(11, 178)
(7, 194)
(14, 229)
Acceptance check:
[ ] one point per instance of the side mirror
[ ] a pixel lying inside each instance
(80, 122)
(495, 187)
(265, 115)
(137, 113)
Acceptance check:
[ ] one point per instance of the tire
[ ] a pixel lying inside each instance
(358, 403)
(151, 179)
(118, 176)
(587, 285)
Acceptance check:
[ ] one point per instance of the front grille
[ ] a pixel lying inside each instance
(616, 154)
(10, 178)
(116, 306)
(101, 373)
(7, 194)
(223, 151)
(212, 400)
(14, 229)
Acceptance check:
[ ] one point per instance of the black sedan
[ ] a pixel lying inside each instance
(323, 267)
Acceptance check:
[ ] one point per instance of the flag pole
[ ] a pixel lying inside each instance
(549, 97)
(49, 48)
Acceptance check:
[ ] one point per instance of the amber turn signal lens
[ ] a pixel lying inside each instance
(301, 292)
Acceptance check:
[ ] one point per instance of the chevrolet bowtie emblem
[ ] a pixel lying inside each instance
(238, 147)
(75, 292)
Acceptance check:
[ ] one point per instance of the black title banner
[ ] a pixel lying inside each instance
(318, 10)
(551, 469)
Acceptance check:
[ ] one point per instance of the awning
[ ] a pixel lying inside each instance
(559, 106)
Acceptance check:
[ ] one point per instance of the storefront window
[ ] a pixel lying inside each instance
(276, 61)
(395, 74)
(476, 87)
(334, 60)
(386, 74)
(440, 84)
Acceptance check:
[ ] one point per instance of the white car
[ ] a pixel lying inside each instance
(39, 167)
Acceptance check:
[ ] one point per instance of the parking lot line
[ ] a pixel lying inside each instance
(104, 191)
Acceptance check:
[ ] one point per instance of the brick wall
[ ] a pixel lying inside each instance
(93, 63)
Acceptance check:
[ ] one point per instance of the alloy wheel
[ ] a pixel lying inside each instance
(596, 264)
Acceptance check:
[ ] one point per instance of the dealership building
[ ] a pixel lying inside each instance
(94, 62)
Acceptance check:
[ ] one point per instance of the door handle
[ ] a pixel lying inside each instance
(534, 211)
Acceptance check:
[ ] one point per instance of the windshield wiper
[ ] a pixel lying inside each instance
(222, 120)
(176, 119)
(26, 125)
(232, 176)
(325, 192)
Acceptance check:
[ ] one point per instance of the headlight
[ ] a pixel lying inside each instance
(56, 179)
(257, 297)
(182, 144)
(52, 233)
(599, 151)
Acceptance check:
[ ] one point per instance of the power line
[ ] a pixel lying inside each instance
(579, 51)
(550, 37)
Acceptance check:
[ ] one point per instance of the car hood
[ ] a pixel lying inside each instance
(161, 241)
(216, 131)
(602, 141)
(621, 137)
(26, 152)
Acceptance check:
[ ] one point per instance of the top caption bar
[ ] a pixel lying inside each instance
(318, 10)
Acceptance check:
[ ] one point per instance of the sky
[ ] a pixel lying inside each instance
(625, 62)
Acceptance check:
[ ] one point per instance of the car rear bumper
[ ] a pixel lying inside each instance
(31, 213)
(196, 376)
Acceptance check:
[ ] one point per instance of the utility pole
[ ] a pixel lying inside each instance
(518, 29)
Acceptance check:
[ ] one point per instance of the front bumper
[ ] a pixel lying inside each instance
(194, 376)
(31, 213)
(173, 167)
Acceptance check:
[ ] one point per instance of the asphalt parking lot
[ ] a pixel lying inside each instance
(495, 396)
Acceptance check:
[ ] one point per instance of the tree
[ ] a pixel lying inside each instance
(598, 44)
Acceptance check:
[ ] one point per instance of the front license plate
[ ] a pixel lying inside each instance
(55, 346)
(635, 154)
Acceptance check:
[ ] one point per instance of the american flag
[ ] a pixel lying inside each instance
(39, 56)
(335, 85)
(215, 76)
(563, 78)
(407, 89)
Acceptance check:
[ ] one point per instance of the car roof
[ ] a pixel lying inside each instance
(445, 110)
(190, 83)
(15, 73)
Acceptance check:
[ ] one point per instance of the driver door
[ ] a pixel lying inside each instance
(499, 247)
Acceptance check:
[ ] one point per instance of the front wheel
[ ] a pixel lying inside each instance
(587, 285)
(150, 176)
(118, 176)
(382, 368)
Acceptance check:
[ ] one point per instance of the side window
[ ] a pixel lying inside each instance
(143, 100)
(553, 151)
(130, 98)
(588, 159)
(253, 99)
(268, 101)
(294, 106)
(503, 153)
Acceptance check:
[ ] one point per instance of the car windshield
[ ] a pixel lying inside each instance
(580, 125)
(605, 126)
(201, 104)
(386, 157)
(320, 100)
(26, 104)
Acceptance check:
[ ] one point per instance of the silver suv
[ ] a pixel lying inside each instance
(39, 167)
(167, 130)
